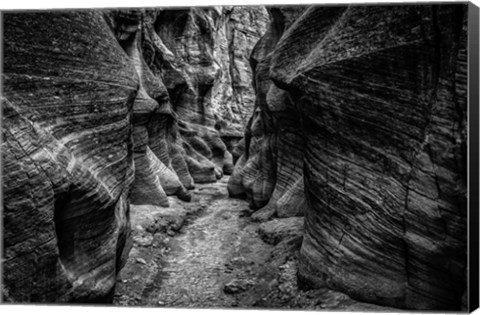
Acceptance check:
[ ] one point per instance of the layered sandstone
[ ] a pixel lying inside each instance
(104, 109)
(67, 156)
(194, 92)
(268, 169)
(380, 97)
(208, 78)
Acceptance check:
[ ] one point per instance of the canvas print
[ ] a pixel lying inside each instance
(308, 157)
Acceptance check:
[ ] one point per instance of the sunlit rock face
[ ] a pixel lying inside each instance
(205, 69)
(195, 92)
(380, 96)
(67, 156)
(106, 109)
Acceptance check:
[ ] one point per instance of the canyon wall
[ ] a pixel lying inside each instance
(103, 109)
(360, 119)
(194, 92)
(67, 156)
(268, 172)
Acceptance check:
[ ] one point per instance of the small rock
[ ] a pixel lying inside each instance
(274, 231)
(239, 262)
(170, 233)
(284, 287)
(264, 214)
(236, 286)
(273, 284)
(143, 240)
(141, 261)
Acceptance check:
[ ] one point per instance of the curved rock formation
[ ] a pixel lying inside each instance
(152, 115)
(186, 84)
(379, 92)
(67, 156)
(269, 169)
(104, 109)
(211, 92)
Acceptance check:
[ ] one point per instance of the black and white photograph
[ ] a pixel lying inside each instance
(304, 157)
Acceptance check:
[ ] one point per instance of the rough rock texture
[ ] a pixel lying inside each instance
(268, 170)
(194, 90)
(274, 231)
(103, 109)
(204, 67)
(67, 156)
(152, 116)
(380, 97)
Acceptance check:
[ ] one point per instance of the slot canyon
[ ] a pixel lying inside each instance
(281, 157)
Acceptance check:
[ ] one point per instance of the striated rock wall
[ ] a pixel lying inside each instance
(380, 97)
(211, 93)
(268, 170)
(104, 109)
(194, 92)
(68, 92)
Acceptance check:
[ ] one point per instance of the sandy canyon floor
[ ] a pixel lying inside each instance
(208, 253)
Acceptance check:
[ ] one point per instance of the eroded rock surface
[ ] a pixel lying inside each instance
(268, 169)
(207, 76)
(274, 231)
(359, 123)
(377, 97)
(67, 157)
(194, 92)
(104, 109)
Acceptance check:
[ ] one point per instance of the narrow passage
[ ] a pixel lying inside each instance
(186, 260)
(208, 253)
